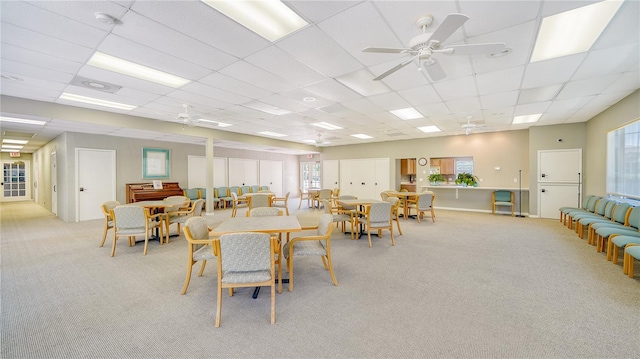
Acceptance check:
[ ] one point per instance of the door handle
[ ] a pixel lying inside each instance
(544, 190)
(544, 175)
(81, 189)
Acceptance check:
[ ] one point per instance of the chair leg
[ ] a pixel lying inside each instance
(104, 235)
(393, 240)
(330, 265)
(219, 304)
(146, 243)
(614, 255)
(290, 268)
(398, 223)
(273, 303)
(369, 236)
(204, 263)
(630, 264)
(113, 248)
(188, 279)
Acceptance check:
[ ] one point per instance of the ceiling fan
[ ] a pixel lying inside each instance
(185, 118)
(319, 142)
(422, 47)
(471, 126)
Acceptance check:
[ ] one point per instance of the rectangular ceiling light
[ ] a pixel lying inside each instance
(526, 119)
(16, 142)
(326, 126)
(273, 134)
(219, 124)
(270, 19)
(409, 113)
(573, 31)
(95, 101)
(17, 147)
(362, 136)
(429, 129)
(7, 150)
(132, 69)
(22, 120)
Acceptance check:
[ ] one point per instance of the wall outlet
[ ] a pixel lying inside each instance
(515, 180)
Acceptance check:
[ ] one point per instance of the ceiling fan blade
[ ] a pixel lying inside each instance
(435, 71)
(474, 49)
(395, 68)
(386, 50)
(450, 24)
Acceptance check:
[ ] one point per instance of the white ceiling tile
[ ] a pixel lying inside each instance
(519, 38)
(570, 104)
(485, 17)
(282, 64)
(191, 99)
(26, 15)
(215, 93)
(463, 106)
(628, 81)
(141, 30)
(301, 94)
(456, 89)
(256, 76)
(500, 81)
(587, 87)
(624, 28)
(236, 86)
(46, 44)
(555, 7)
(317, 11)
(434, 110)
(389, 101)
(142, 55)
(555, 118)
(39, 59)
(285, 103)
(21, 69)
(19, 89)
(333, 90)
(197, 20)
(531, 108)
(543, 73)
(363, 106)
(314, 47)
(608, 99)
(361, 81)
(539, 94)
(503, 99)
(419, 96)
(607, 61)
(99, 74)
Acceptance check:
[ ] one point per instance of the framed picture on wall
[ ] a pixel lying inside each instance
(155, 163)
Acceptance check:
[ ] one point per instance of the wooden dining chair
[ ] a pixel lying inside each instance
(130, 221)
(200, 248)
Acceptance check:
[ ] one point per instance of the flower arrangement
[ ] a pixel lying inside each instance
(467, 179)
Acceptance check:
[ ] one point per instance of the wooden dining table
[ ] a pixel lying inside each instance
(360, 203)
(404, 197)
(154, 206)
(266, 224)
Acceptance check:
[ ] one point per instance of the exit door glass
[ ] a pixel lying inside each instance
(14, 180)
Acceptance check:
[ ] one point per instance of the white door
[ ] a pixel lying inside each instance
(559, 180)
(220, 172)
(54, 183)
(243, 172)
(271, 173)
(15, 181)
(330, 174)
(553, 196)
(310, 173)
(382, 176)
(95, 181)
(196, 172)
(346, 178)
(36, 176)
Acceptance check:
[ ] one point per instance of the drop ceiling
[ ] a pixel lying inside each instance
(241, 79)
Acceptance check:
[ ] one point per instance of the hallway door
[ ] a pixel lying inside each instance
(15, 181)
(95, 181)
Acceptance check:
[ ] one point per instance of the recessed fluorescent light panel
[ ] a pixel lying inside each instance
(95, 101)
(362, 136)
(15, 147)
(132, 69)
(15, 142)
(409, 113)
(272, 134)
(219, 124)
(270, 19)
(429, 129)
(326, 126)
(22, 120)
(526, 119)
(573, 31)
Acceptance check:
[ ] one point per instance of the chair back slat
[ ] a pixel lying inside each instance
(245, 252)
(129, 217)
(380, 212)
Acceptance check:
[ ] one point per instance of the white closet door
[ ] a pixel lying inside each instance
(330, 174)
(196, 171)
(382, 176)
(271, 174)
(346, 180)
(220, 172)
(243, 172)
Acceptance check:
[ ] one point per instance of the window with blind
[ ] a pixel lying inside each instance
(623, 161)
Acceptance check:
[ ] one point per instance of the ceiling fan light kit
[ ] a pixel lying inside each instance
(423, 46)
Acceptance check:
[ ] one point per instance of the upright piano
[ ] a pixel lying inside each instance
(137, 192)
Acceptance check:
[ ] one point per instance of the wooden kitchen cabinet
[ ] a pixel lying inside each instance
(447, 166)
(435, 162)
(408, 166)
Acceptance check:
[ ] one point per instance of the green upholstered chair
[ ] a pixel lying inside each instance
(192, 193)
(246, 260)
(255, 189)
(317, 245)
(377, 216)
(130, 221)
(244, 190)
(200, 246)
(224, 196)
(264, 188)
(631, 252)
(590, 208)
(502, 198)
(619, 241)
(604, 211)
(632, 229)
(619, 218)
(565, 210)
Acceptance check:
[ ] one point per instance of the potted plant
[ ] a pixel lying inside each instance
(435, 178)
(467, 179)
